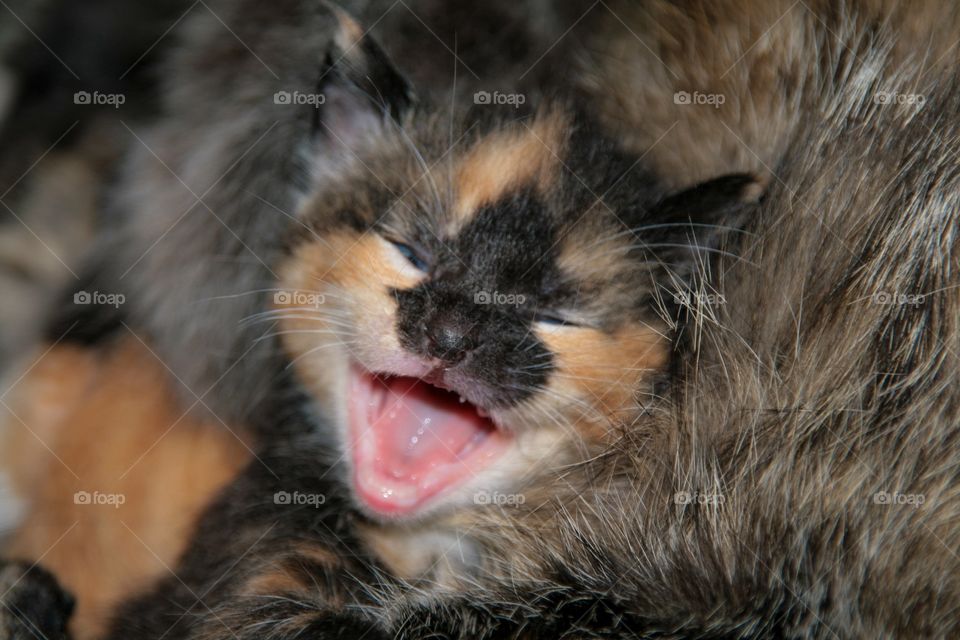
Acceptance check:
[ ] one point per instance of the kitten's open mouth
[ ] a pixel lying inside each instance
(413, 441)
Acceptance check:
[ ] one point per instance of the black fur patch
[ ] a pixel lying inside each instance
(78, 317)
(475, 311)
(32, 603)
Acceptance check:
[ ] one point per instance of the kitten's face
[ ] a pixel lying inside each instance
(475, 324)
(472, 305)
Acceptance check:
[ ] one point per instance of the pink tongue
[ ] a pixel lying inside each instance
(419, 427)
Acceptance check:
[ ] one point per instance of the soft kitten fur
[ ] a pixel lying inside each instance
(401, 216)
(197, 180)
(494, 201)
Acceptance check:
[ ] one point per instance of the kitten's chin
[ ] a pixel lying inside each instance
(412, 443)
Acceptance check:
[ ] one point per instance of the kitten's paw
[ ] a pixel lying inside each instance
(32, 603)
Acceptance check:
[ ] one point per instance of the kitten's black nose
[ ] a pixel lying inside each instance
(449, 336)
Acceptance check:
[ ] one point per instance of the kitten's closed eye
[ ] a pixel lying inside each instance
(416, 258)
(554, 318)
(412, 255)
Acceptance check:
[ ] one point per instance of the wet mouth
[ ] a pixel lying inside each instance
(414, 441)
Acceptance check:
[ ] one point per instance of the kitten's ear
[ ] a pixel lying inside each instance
(694, 223)
(362, 90)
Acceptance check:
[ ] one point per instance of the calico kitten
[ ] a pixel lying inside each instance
(464, 344)
(471, 304)
(462, 318)
(465, 294)
(759, 500)
(467, 301)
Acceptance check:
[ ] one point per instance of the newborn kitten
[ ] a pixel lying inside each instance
(466, 317)
(425, 312)
(469, 302)
(466, 293)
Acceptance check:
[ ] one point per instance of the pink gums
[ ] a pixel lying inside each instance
(413, 441)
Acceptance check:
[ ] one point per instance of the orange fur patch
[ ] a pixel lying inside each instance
(350, 33)
(296, 575)
(345, 265)
(107, 427)
(400, 549)
(505, 162)
(605, 370)
(604, 258)
(275, 582)
(431, 550)
(347, 260)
